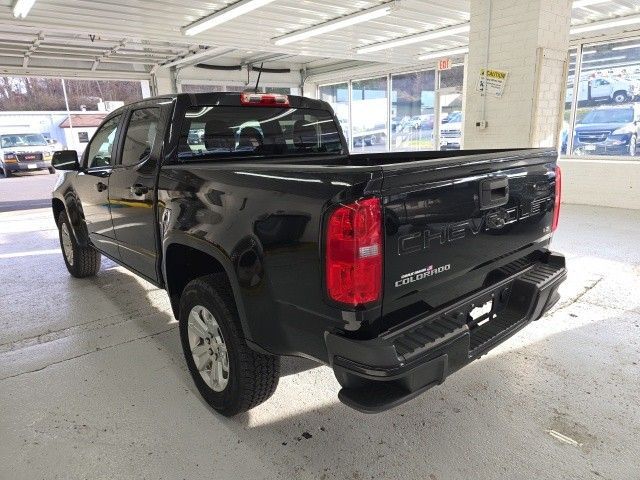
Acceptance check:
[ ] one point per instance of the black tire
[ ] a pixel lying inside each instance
(6, 173)
(52, 170)
(253, 376)
(620, 97)
(85, 261)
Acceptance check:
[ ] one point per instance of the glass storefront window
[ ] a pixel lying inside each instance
(566, 116)
(450, 101)
(607, 97)
(412, 111)
(338, 97)
(369, 105)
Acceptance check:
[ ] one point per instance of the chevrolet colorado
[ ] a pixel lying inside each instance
(395, 269)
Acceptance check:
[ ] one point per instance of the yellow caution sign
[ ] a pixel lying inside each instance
(492, 83)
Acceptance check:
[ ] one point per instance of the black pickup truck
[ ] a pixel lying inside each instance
(395, 269)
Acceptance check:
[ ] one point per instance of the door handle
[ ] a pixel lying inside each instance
(139, 189)
(101, 187)
(494, 192)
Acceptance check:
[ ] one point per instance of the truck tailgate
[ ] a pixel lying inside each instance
(453, 225)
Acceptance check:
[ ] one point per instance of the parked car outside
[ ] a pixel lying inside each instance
(603, 90)
(24, 152)
(451, 131)
(608, 131)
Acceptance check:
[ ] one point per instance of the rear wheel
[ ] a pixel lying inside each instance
(633, 146)
(81, 261)
(229, 375)
(6, 173)
(52, 170)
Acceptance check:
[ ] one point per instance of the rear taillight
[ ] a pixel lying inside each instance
(558, 198)
(264, 99)
(353, 253)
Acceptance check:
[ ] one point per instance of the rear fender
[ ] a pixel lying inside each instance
(180, 238)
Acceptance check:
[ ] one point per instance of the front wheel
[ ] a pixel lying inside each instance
(81, 261)
(229, 375)
(52, 170)
(6, 173)
(620, 97)
(633, 146)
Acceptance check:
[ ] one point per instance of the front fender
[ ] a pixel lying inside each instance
(66, 194)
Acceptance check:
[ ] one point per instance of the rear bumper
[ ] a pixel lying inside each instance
(398, 365)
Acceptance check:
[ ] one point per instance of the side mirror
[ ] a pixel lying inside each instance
(65, 160)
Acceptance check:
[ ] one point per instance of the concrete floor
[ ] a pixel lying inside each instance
(93, 384)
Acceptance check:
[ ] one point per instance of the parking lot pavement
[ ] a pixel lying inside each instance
(25, 191)
(93, 384)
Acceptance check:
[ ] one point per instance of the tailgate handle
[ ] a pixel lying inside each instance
(494, 192)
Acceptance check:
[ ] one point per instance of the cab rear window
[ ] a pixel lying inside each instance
(218, 131)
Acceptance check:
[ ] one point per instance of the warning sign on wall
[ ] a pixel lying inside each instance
(494, 82)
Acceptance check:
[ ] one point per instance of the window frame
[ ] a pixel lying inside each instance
(580, 46)
(125, 128)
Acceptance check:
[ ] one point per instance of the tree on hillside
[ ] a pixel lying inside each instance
(32, 93)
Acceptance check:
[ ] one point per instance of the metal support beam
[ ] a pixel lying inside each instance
(108, 54)
(34, 46)
(205, 53)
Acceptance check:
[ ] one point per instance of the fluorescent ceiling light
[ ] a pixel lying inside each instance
(613, 23)
(444, 53)
(587, 3)
(21, 8)
(619, 57)
(224, 15)
(336, 24)
(626, 47)
(418, 37)
(584, 52)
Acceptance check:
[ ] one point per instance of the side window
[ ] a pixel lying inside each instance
(141, 135)
(101, 146)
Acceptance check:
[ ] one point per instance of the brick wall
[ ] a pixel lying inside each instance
(530, 40)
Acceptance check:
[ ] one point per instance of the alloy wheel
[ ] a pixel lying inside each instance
(67, 244)
(208, 348)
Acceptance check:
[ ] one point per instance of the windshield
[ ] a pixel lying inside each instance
(23, 140)
(257, 131)
(608, 115)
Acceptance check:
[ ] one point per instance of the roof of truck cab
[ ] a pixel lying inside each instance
(220, 99)
(227, 98)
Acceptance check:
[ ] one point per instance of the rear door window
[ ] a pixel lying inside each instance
(212, 131)
(141, 135)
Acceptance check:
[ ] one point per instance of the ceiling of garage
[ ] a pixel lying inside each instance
(128, 38)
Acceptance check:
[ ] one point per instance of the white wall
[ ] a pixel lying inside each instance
(72, 140)
(529, 40)
(610, 183)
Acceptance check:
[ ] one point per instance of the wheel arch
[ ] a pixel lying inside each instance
(70, 204)
(186, 258)
(623, 92)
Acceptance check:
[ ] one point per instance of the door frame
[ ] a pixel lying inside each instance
(438, 112)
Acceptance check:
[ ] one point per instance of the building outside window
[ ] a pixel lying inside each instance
(603, 103)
